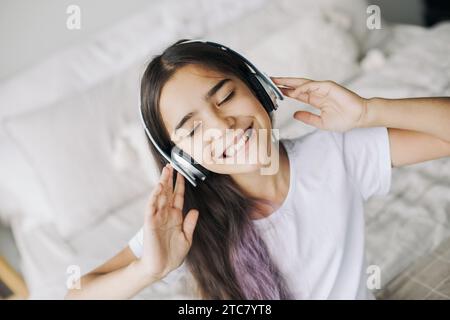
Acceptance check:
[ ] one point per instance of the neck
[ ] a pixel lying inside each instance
(271, 189)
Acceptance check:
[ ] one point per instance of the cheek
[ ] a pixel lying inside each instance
(247, 104)
(201, 152)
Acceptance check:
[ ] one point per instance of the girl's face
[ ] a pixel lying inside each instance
(207, 114)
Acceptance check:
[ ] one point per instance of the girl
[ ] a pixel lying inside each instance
(295, 234)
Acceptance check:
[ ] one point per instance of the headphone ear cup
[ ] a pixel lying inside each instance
(185, 161)
(264, 92)
(267, 88)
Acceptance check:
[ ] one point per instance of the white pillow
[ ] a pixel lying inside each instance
(291, 38)
(19, 187)
(350, 15)
(311, 47)
(71, 147)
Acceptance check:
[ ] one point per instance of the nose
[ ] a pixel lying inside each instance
(215, 127)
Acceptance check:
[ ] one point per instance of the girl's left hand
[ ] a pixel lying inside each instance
(340, 108)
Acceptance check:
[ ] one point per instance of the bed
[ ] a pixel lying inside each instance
(76, 173)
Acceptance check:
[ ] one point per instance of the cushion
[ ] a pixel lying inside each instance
(72, 147)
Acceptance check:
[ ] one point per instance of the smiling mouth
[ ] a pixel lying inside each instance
(231, 150)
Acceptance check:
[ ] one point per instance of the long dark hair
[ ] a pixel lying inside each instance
(228, 258)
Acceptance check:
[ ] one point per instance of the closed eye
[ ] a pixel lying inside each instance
(193, 131)
(227, 98)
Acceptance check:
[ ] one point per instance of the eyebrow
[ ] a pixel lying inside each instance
(216, 88)
(208, 95)
(185, 118)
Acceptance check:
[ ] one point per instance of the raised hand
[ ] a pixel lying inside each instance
(167, 236)
(340, 108)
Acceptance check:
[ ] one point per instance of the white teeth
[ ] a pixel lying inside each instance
(234, 148)
(248, 133)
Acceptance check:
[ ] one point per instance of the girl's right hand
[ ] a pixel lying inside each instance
(167, 236)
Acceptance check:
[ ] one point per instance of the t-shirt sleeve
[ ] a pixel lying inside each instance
(136, 243)
(367, 159)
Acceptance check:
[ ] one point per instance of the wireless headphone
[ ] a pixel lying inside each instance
(266, 91)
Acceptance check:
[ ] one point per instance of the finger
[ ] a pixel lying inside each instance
(156, 192)
(318, 87)
(179, 192)
(291, 93)
(309, 118)
(189, 223)
(311, 93)
(170, 179)
(164, 178)
(308, 87)
(161, 202)
(290, 82)
(164, 173)
(151, 210)
(163, 196)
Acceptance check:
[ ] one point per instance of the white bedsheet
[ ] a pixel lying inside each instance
(415, 217)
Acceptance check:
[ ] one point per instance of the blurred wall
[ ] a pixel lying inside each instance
(31, 30)
(401, 11)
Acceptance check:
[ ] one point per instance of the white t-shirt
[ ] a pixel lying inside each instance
(316, 237)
